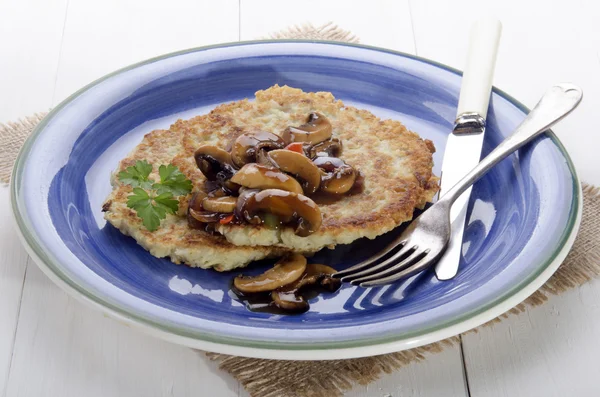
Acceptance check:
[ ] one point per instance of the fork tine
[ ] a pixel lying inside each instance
(368, 262)
(417, 267)
(408, 261)
(373, 269)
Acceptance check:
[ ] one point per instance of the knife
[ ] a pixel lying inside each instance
(463, 148)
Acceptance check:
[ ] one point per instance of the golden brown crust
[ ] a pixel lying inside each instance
(396, 162)
(174, 238)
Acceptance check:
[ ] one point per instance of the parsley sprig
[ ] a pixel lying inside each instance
(153, 201)
(137, 175)
(172, 181)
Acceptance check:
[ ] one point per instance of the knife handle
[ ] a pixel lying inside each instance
(481, 59)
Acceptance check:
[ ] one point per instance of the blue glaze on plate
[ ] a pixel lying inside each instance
(518, 215)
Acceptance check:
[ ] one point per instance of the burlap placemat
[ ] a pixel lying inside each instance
(272, 378)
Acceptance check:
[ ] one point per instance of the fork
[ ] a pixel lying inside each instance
(424, 241)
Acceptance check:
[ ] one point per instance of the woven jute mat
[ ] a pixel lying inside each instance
(272, 378)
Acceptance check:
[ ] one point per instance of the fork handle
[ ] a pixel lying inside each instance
(556, 103)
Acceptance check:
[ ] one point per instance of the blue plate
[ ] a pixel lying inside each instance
(522, 217)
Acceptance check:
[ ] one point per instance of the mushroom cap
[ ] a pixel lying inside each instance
(317, 129)
(289, 298)
(330, 148)
(328, 164)
(204, 216)
(289, 301)
(225, 204)
(339, 177)
(214, 162)
(312, 276)
(196, 200)
(262, 158)
(245, 195)
(287, 270)
(257, 176)
(286, 205)
(339, 181)
(298, 165)
(317, 268)
(246, 146)
(195, 204)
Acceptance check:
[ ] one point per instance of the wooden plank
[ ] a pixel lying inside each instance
(27, 77)
(550, 350)
(540, 46)
(30, 37)
(439, 375)
(62, 348)
(66, 349)
(383, 23)
(13, 260)
(100, 39)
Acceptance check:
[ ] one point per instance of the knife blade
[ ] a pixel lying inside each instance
(463, 148)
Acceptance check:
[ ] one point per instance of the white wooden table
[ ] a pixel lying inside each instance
(50, 345)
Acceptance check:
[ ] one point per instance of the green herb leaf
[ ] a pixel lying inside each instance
(173, 181)
(139, 198)
(166, 202)
(150, 213)
(158, 199)
(137, 175)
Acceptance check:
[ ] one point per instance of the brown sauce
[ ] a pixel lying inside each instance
(262, 303)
